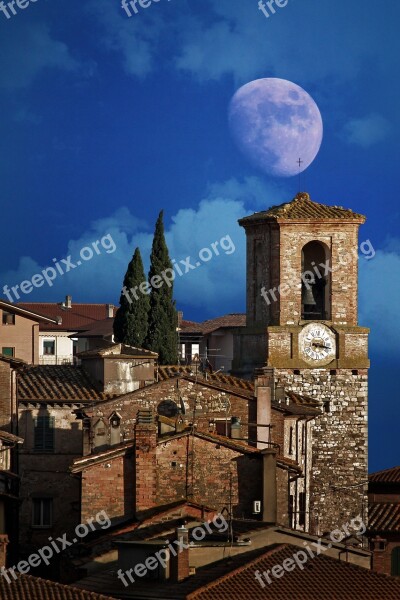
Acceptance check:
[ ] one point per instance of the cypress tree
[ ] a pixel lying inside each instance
(162, 334)
(131, 320)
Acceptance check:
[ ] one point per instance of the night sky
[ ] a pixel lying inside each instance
(107, 119)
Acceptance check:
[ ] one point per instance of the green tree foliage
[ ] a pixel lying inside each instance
(162, 334)
(131, 320)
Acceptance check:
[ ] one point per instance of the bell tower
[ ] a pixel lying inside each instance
(302, 321)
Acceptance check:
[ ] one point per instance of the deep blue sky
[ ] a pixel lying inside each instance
(107, 119)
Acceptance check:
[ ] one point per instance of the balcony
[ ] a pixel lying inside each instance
(56, 359)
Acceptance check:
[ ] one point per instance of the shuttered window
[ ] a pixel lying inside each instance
(44, 434)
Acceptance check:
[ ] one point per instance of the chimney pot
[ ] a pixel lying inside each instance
(110, 311)
(68, 301)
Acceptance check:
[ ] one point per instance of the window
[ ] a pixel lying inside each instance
(44, 434)
(291, 441)
(8, 318)
(7, 351)
(396, 561)
(42, 512)
(302, 508)
(290, 510)
(49, 347)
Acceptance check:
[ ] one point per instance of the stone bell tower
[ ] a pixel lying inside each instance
(302, 321)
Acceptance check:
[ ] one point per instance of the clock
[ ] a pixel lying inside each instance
(317, 344)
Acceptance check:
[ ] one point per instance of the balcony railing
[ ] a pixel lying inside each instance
(56, 359)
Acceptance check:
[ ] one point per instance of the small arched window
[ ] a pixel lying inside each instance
(115, 428)
(315, 282)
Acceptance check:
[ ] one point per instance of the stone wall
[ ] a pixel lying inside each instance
(202, 403)
(339, 438)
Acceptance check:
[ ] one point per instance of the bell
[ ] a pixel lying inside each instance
(308, 296)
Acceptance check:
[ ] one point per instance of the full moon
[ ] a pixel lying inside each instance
(275, 123)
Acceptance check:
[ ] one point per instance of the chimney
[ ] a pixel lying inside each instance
(145, 460)
(235, 428)
(180, 318)
(68, 301)
(269, 486)
(3, 549)
(179, 564)
(264, 384)
(110, 311)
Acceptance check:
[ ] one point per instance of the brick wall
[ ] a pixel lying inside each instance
(5, 395)
(382, 560)
(146, 466)
(209, 473)
(109, 486)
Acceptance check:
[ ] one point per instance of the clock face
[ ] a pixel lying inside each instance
(317, 344)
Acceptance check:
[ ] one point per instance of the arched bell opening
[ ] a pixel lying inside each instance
(315, 282)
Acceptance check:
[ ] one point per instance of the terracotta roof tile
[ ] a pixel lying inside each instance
(73, 319)
(303, 208)
(387, 476)
(230, 320)
(227, 382)
(56, 383)
(321, 577)
(384, 516)
(97, 329)
(26, 587)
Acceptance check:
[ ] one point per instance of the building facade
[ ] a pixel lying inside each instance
(302, 322)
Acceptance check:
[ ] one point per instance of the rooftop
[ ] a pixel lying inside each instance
(120, 350)
(222, 380)
(387, 476)
(56, 383)
(302, 208)
(234, 577)
(26, 587)
(384, 517)
(321, 577)
(226, 321)
(73, 319)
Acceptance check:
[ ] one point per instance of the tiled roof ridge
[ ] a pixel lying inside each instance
(380, 476)
(304, 208)
(88, 460)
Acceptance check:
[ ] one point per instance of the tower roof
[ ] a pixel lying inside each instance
(302, 208)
